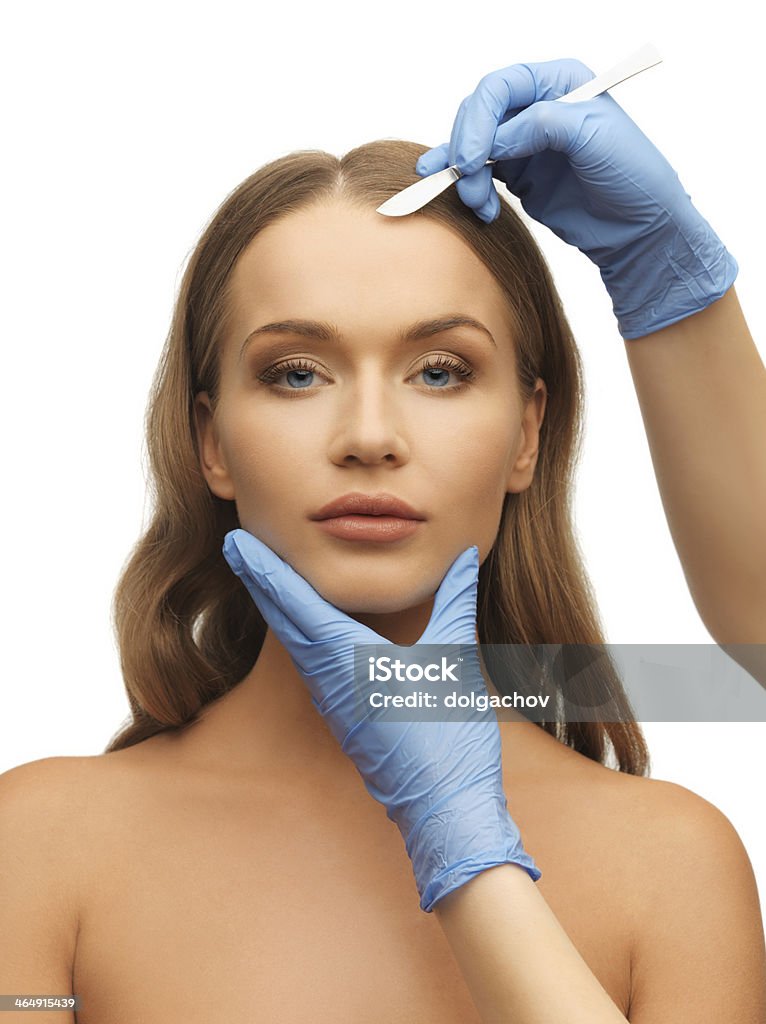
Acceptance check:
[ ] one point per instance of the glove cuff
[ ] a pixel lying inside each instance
(457, 876)
(668, 275)
(452, 845)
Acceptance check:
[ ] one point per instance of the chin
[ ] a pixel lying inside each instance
(365, 595)
(365, 602)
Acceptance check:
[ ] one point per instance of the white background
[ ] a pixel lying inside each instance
(125, 127)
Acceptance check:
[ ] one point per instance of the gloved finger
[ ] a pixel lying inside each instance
(246, 562)
(457, 131)
(272, 614)
(491, 209)
(433, 160)
(545, 125)
(483, 199)
(303, 613)
(475, 189)
(517, 86)
(453, 616)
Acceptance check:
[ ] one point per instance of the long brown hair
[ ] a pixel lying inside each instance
(187, 629)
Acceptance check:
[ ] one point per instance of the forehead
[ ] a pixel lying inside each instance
(354, 266)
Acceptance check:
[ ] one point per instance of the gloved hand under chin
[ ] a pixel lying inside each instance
(439, 781)
(586, 171)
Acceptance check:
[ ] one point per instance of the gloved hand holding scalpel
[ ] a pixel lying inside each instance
(589, 173)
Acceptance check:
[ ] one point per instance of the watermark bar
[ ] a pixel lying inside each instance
(561, 682)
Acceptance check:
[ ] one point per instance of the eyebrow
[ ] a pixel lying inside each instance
(322, 330)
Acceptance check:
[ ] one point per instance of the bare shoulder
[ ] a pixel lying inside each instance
(673, 829)
(54, 824)
(56, 810)
(47, 811)
(41, 775)
(675, 834)
(655, 819)
(698, 950)
(42, 877)
(668, 835)
(679, 874)
(47, 795)
(42, 805)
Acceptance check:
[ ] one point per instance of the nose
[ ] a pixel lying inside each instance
(369, 426)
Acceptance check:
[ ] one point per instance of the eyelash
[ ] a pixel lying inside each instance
(437, 362)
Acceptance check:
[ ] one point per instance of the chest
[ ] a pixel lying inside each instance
(244, 909)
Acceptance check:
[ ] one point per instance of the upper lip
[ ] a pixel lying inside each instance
(360, 504)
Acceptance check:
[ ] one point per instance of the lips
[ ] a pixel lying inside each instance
(367, 505)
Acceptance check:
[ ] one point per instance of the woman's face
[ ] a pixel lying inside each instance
(303, 420)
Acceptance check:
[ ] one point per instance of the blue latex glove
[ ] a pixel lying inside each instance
(588, 173)
(439, 781)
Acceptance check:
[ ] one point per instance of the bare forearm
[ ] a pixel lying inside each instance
(701, 386)
(518, 962)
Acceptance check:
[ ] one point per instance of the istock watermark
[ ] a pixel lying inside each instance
(383, 669)
(432, 682)
(562, 682)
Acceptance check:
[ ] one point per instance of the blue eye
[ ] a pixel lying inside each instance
(302, 381)
(300, 368)
(443, 364)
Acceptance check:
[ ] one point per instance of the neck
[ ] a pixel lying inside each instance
(267, 723)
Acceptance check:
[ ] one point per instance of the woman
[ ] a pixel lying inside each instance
(229, 862)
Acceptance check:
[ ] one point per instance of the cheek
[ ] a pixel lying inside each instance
(270, 469)
(473, 455)
(257, 444)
